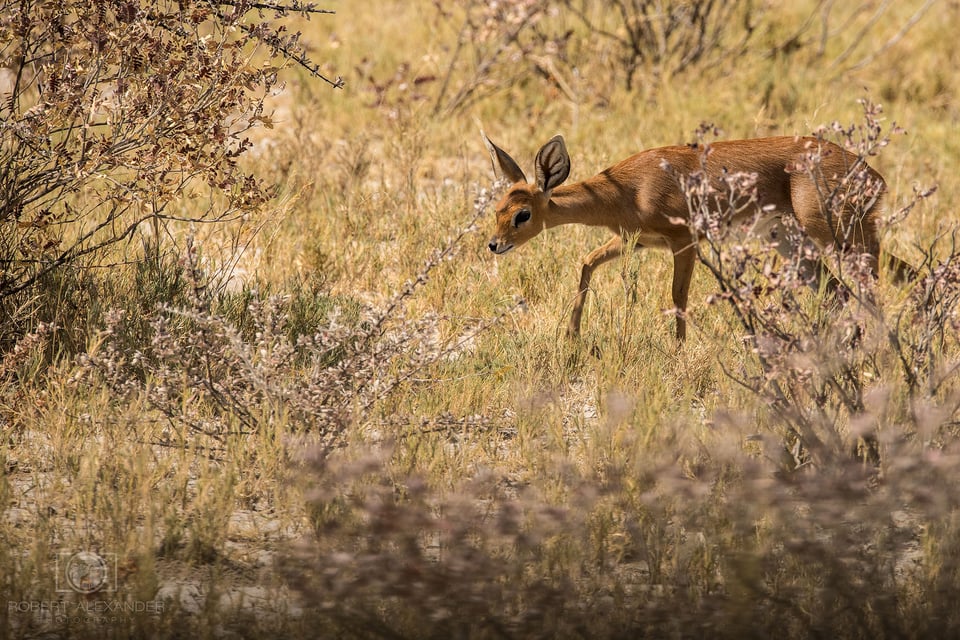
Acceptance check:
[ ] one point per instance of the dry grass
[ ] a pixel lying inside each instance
(318, 424)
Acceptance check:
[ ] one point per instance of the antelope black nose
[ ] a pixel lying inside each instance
(493, 245)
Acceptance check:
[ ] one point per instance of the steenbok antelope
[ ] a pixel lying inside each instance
(641, 201)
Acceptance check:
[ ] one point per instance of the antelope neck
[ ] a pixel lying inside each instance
(581, 203)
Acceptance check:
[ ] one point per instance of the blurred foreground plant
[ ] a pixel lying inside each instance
(715, 538)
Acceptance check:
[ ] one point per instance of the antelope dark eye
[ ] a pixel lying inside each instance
(522, 216)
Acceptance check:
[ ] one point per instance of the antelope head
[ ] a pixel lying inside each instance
(522, 213)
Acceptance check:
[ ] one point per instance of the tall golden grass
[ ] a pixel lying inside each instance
(344, 417)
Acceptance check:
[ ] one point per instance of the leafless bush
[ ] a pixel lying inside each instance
(113, 110)
(669, 37)
(826, 23)
(499, 44)
(933, 324)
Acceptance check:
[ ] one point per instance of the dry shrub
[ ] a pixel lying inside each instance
(667, 38)
(308, 362)
(815, 365)
(110, 113)
(499, 45)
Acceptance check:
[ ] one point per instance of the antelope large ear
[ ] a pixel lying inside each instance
(503, 164)
(553, 164)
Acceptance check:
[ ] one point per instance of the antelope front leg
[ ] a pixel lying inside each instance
(612, 249)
